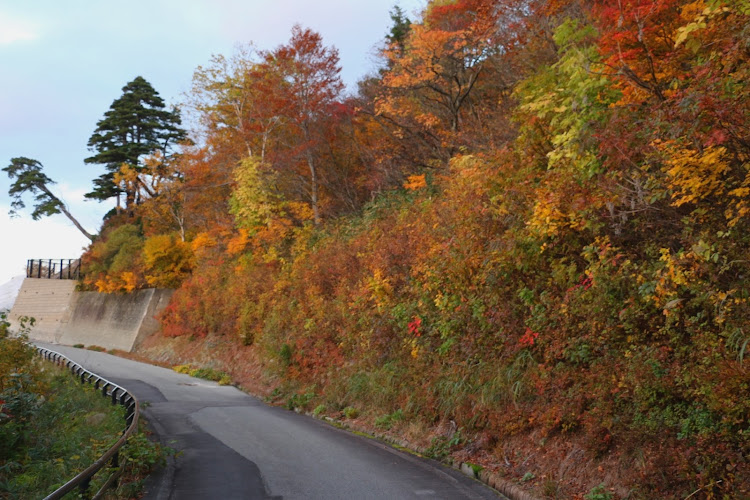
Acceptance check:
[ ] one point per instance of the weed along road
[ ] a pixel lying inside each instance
(232, 445)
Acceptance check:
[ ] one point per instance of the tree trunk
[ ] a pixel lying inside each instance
(313, 175)
(313, 188)
(77, 224)
(67, 214)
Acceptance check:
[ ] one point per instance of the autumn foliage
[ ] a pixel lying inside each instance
(532, 224)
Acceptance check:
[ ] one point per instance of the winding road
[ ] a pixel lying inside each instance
(234, 446)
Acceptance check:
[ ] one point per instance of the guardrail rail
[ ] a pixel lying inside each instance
(118, 395)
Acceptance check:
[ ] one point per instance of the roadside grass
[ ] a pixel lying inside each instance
(54, 429)
(205, 373)
(140, 457)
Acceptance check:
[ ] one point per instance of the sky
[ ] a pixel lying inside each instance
(63, 63)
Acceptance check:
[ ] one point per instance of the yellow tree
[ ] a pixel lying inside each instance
(228, 95)
(158, 185)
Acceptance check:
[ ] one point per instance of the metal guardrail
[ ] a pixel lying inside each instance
(62, 269)
(118, 395)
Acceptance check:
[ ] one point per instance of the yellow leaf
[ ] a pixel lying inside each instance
(415, 182)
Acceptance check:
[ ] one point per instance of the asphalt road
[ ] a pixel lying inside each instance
(234, 446)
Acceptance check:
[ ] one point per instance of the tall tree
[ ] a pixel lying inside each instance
(443, 82)
(306, 76)
(137, 124)
(29, 178)
(399, 32)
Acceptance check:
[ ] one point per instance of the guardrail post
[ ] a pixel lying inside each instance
(84, 488)
(115, 463)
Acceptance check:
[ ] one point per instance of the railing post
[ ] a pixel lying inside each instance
(56, 268)
(84, 488)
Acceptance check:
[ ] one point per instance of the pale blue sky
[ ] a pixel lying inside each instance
(63, 63)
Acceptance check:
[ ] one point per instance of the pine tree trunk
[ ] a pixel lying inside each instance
(67, 214)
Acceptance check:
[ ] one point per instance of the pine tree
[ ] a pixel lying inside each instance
(400, 28)
(137, 124)
(28, 177)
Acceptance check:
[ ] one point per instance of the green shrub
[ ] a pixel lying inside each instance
(387, 421)
(205, 373)
(599, 493)
(350, 412)
(52, 430)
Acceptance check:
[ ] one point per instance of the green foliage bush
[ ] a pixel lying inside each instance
(599, 493)
(350, 412)
(205, 373)
(388, 421)
(113, 262)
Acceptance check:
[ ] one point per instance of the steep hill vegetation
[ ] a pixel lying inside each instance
(526, 237)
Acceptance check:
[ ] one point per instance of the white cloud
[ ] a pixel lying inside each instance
(88, 212)
(69, 193)
(13, 29)
(23, 239)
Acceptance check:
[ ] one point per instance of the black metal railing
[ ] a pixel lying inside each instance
(62, 269)
(118, 395)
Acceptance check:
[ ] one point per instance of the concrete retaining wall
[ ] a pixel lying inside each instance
(112, 321)
(49, 302)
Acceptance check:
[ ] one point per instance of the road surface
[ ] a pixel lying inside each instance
(234, 446)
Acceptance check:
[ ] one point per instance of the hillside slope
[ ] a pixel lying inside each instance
(523, 244)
